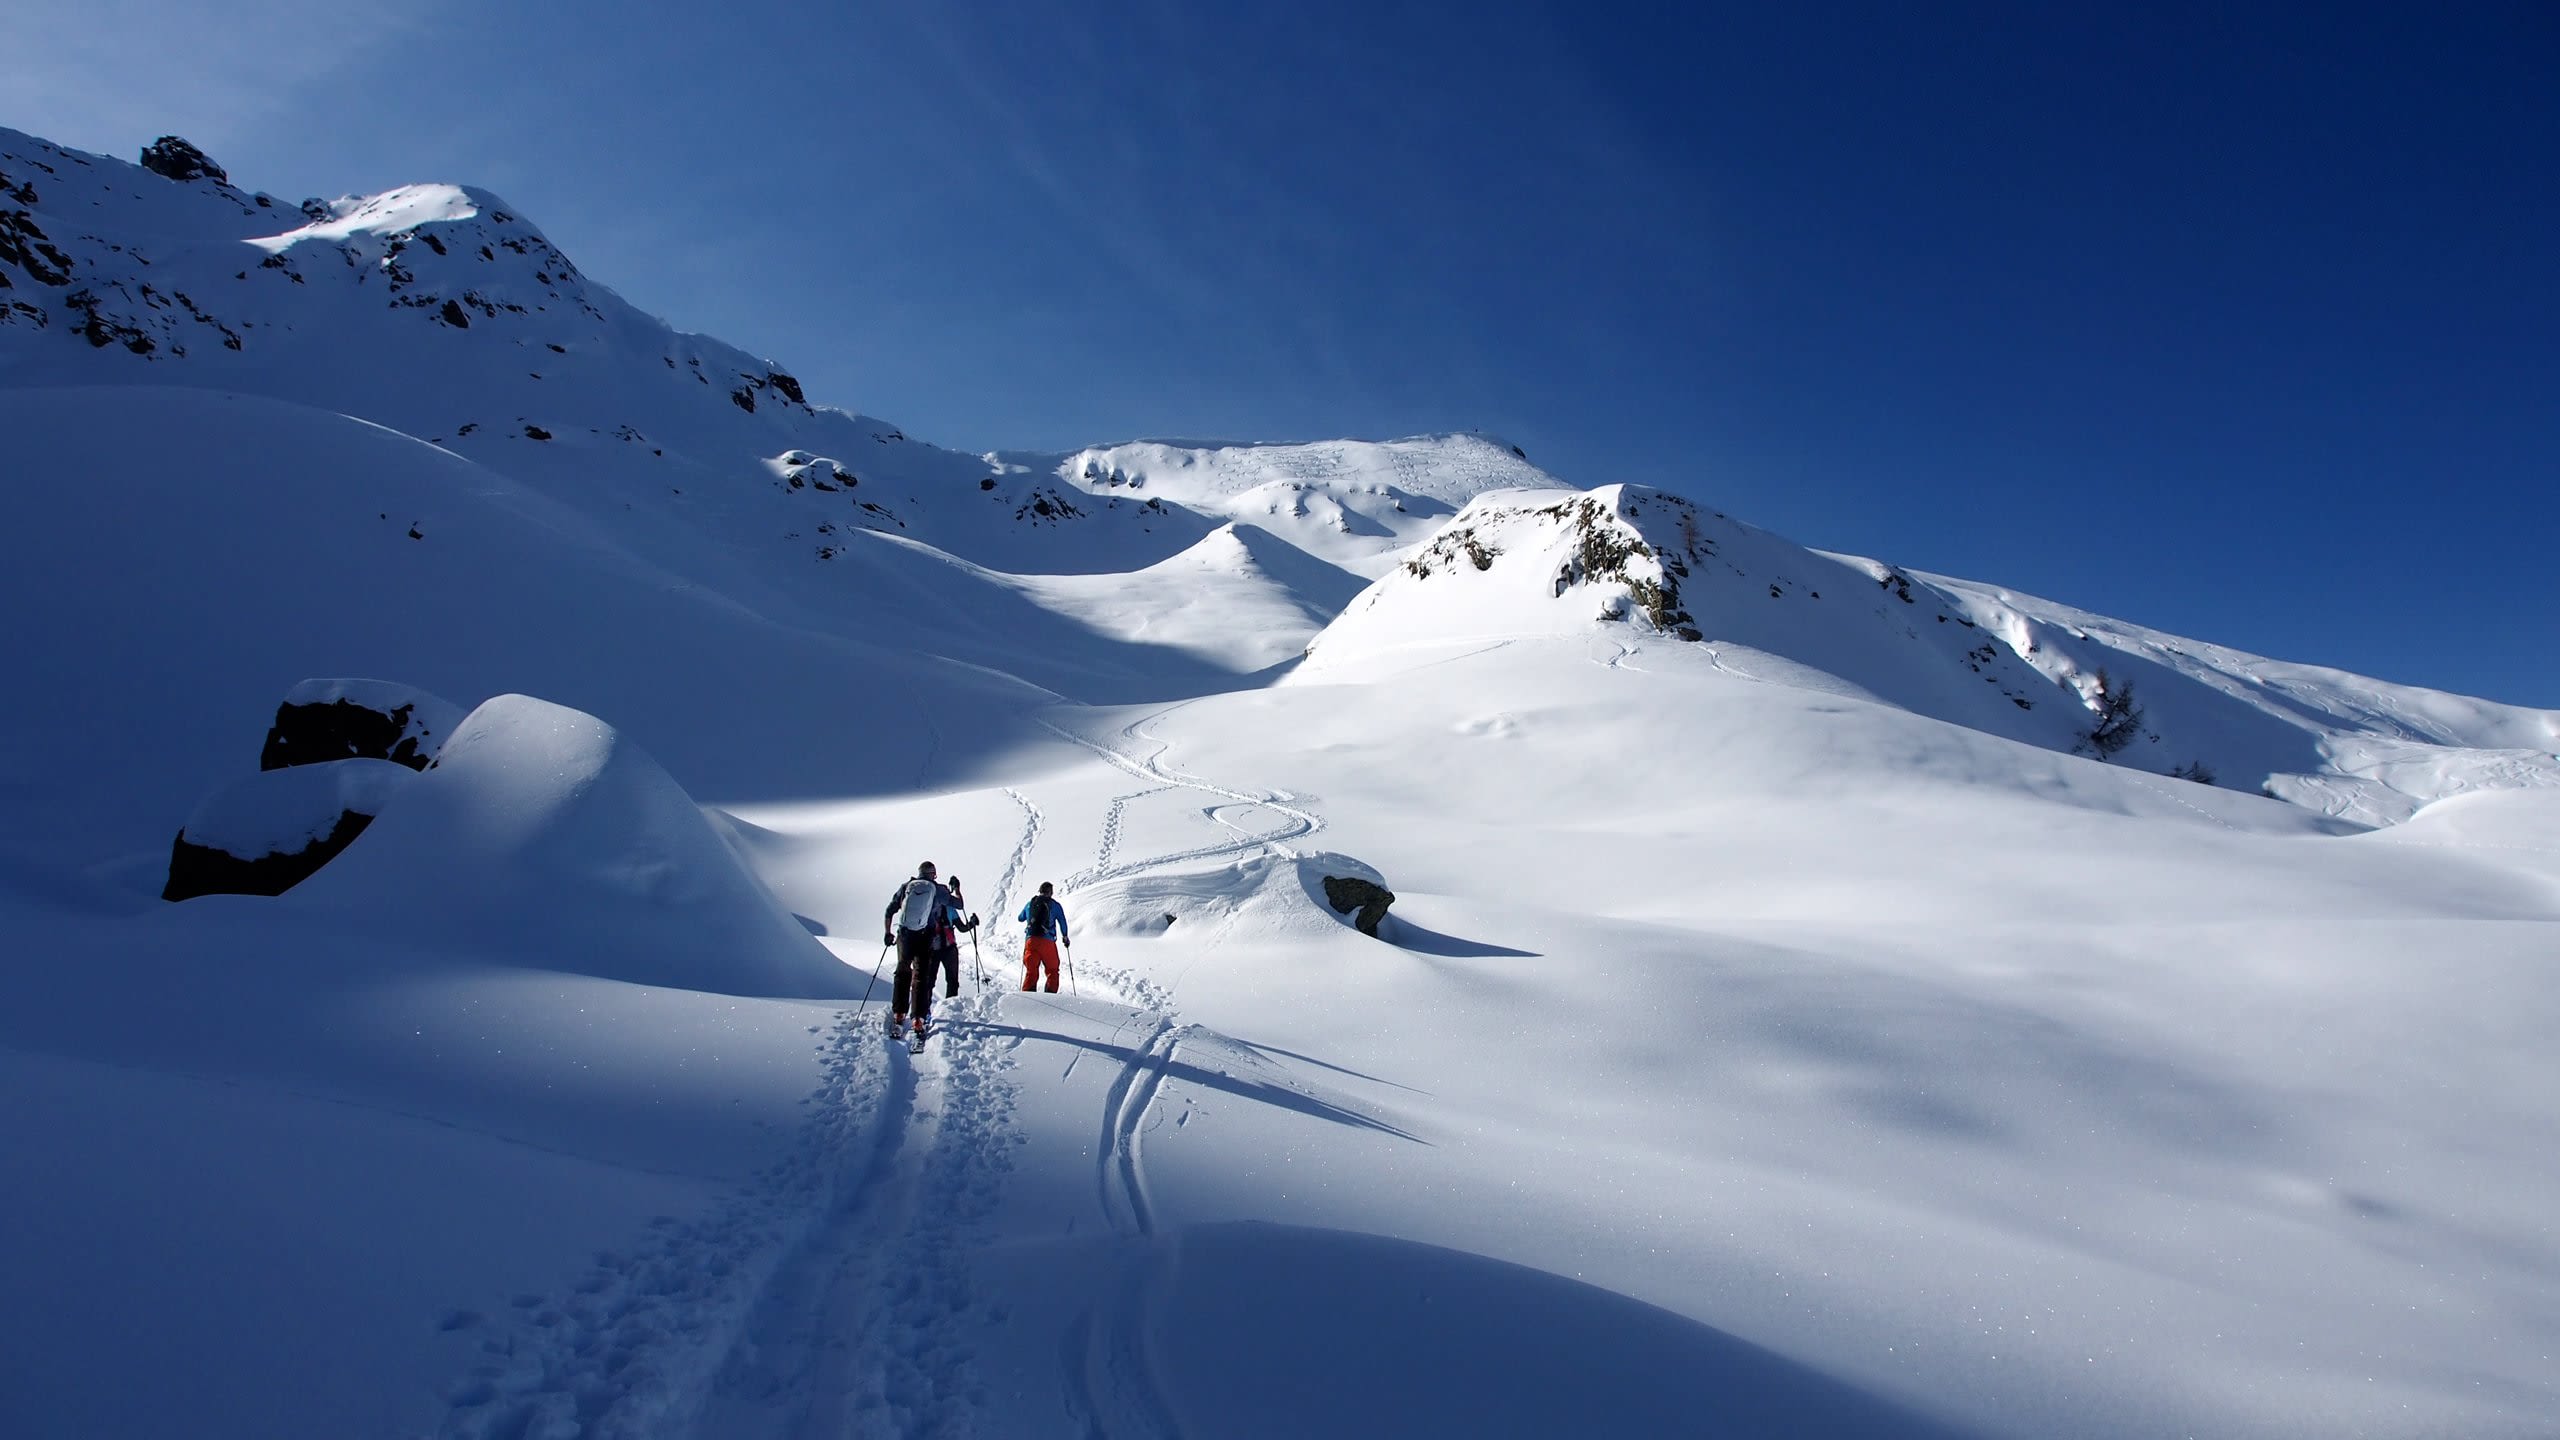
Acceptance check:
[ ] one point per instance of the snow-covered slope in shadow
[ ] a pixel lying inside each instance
(541, 834)
(179, 559)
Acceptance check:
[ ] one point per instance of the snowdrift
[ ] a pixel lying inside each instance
(1276, 898)
(541, 834)
(267, 831)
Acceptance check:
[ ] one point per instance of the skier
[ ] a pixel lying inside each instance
(915, 922)
(1044, 924)
(949, 944)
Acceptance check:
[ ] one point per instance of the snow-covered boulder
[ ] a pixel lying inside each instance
(323, 720)
(1298, 897)
(543, 836)
(268, 832)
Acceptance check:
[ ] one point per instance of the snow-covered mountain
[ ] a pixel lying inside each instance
(437, 311)
(1810, 998)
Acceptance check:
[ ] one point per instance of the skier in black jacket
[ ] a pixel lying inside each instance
(916, 922)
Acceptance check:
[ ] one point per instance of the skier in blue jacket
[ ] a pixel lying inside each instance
(1044, 925)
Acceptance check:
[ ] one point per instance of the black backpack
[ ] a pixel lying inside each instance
(1041, 906)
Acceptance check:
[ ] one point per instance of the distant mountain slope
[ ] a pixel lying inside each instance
(1352, 502)
(441, 312)
(1630, 565)
(1149, 569)
(2348, 745)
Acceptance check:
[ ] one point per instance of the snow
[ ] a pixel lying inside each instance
(1777, 1031)
(281, 812)
(430, 717)
(1240, 599)
(405, 208)
(541, 832)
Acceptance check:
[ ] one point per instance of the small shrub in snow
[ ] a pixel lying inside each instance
(2119, 719)
(2195, 770)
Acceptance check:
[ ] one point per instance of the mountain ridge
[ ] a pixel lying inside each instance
(441, 312)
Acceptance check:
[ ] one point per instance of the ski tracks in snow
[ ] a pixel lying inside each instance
(868, 1333)
(1124, 1116)
(830, 1294)
(1107, 865)
(1115, 1382)
(1115, 1385)
(634, 1346)
(1010, 880)
(1298, 825)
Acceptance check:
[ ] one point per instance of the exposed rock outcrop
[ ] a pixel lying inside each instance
(323, 720)
(1350, 893)
(175, 159)
(271, 831)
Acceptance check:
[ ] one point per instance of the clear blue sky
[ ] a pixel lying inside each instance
(2238, 320)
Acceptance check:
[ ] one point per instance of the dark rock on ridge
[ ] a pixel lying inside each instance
(175, 159)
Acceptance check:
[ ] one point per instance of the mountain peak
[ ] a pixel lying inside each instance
(173, 158)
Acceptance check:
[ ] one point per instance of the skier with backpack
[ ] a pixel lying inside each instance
(917, 918)
(949, 952)
(1044, 924)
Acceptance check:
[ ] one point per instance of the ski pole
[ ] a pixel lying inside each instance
(1071, 966)
(874, 980)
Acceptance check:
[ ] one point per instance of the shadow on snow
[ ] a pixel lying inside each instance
(1281, 1330)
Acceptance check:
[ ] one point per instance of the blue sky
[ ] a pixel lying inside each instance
(2241, 321)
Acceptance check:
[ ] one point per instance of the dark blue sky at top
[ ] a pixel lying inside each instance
(2241, 321)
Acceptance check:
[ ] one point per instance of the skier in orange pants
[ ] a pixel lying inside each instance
(1044, 924)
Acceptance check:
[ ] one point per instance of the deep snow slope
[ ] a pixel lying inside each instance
(177, 560)
(2042, 1095)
